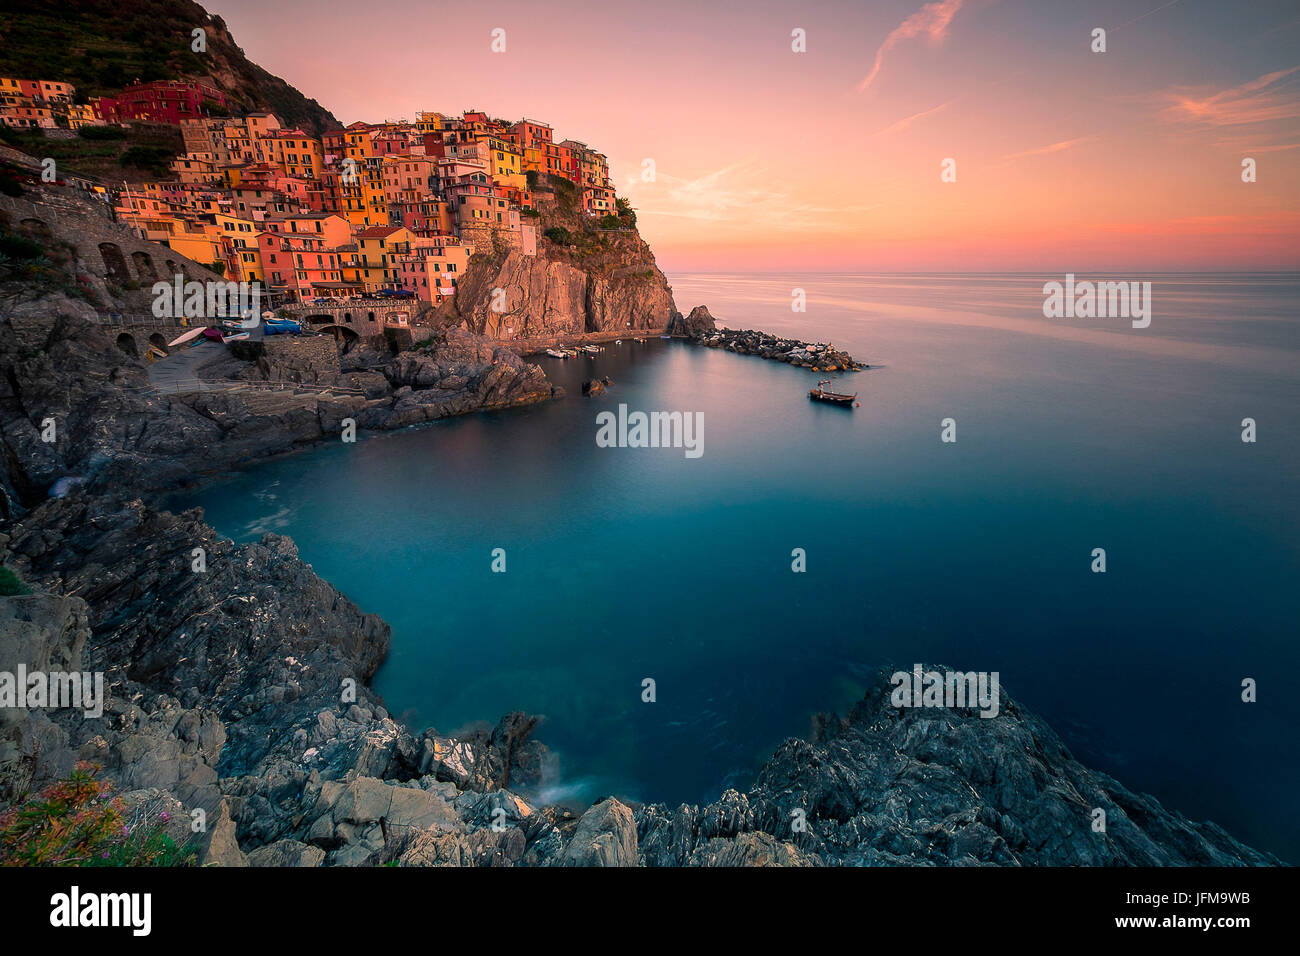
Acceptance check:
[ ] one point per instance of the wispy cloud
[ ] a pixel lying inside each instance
(739, 195)
(909, 120)
(931, 22)
(1269, 98)
(1050, 148)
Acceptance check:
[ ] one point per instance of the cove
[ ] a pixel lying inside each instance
(633, 563)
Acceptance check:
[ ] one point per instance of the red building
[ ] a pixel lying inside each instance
(165, 101)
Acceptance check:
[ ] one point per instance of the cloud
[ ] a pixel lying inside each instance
(931, 21)
(1051, 148)
(739, 195)
(1269, 98)
(909, 120)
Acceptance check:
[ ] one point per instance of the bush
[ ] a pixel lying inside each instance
(532, 213)
(20, 247)
(11, 584)
(558, 235)
(610, 222)
(75, 823)
(532, 177)
(101, 132)
(146, 157)
(564, 189)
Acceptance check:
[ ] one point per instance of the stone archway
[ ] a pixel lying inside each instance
(144, 267)
(114, 262)
(158, 341)
(126, 342)
(342, 334)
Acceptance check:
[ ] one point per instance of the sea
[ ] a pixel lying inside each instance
(674, 617)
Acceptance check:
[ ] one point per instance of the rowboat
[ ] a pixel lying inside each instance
(191, 334)
(555, 353)
(820, 394)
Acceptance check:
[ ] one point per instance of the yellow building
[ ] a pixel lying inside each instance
(505, 164)
(371, 264)
(297, 154)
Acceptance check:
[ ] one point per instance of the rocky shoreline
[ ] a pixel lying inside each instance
(700, 328)
(243, 690)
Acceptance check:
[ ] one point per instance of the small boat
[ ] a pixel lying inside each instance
(238, 337)
(590, 349)
(555, 353)
(191, 334)
(213, 333)
(665, 336)
(618, 341)
(820, 394)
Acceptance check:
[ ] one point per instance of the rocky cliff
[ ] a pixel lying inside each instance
(584, 279)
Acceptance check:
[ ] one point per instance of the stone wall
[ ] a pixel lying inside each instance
(106, 249)
(313, 354)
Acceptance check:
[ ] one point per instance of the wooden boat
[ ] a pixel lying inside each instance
(555, 353)
(191, 334)
(820, 394)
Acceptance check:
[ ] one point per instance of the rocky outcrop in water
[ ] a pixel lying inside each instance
(899, 786)
(700, 328)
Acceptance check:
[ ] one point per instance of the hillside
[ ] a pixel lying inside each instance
(102, 46)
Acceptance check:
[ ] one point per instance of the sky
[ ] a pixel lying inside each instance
(741, 154)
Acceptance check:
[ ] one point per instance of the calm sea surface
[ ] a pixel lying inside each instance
(625, 563)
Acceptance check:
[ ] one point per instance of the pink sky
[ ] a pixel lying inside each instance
(768, 159)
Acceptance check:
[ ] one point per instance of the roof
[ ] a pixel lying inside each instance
(377, 232)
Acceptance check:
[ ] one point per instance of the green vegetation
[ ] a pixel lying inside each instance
(625, 211)
(51, 267)
(75, 823)
(102, 132)
(102, 46)
(20, 247)
(611, 222)
(151, 158)
(105, 155)
(565, 191)
(558, 235)
(11, 584)
(532, 176)
(532, 213)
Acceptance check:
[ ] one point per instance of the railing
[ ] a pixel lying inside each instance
(191, 386)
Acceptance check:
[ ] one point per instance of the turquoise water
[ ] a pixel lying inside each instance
(629, 563)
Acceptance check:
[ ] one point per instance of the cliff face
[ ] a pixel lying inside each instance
(592, 280)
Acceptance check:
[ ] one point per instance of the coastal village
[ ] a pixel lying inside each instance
(391, 210)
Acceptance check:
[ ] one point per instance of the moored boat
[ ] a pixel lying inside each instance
(820, 394)
(555, 353)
